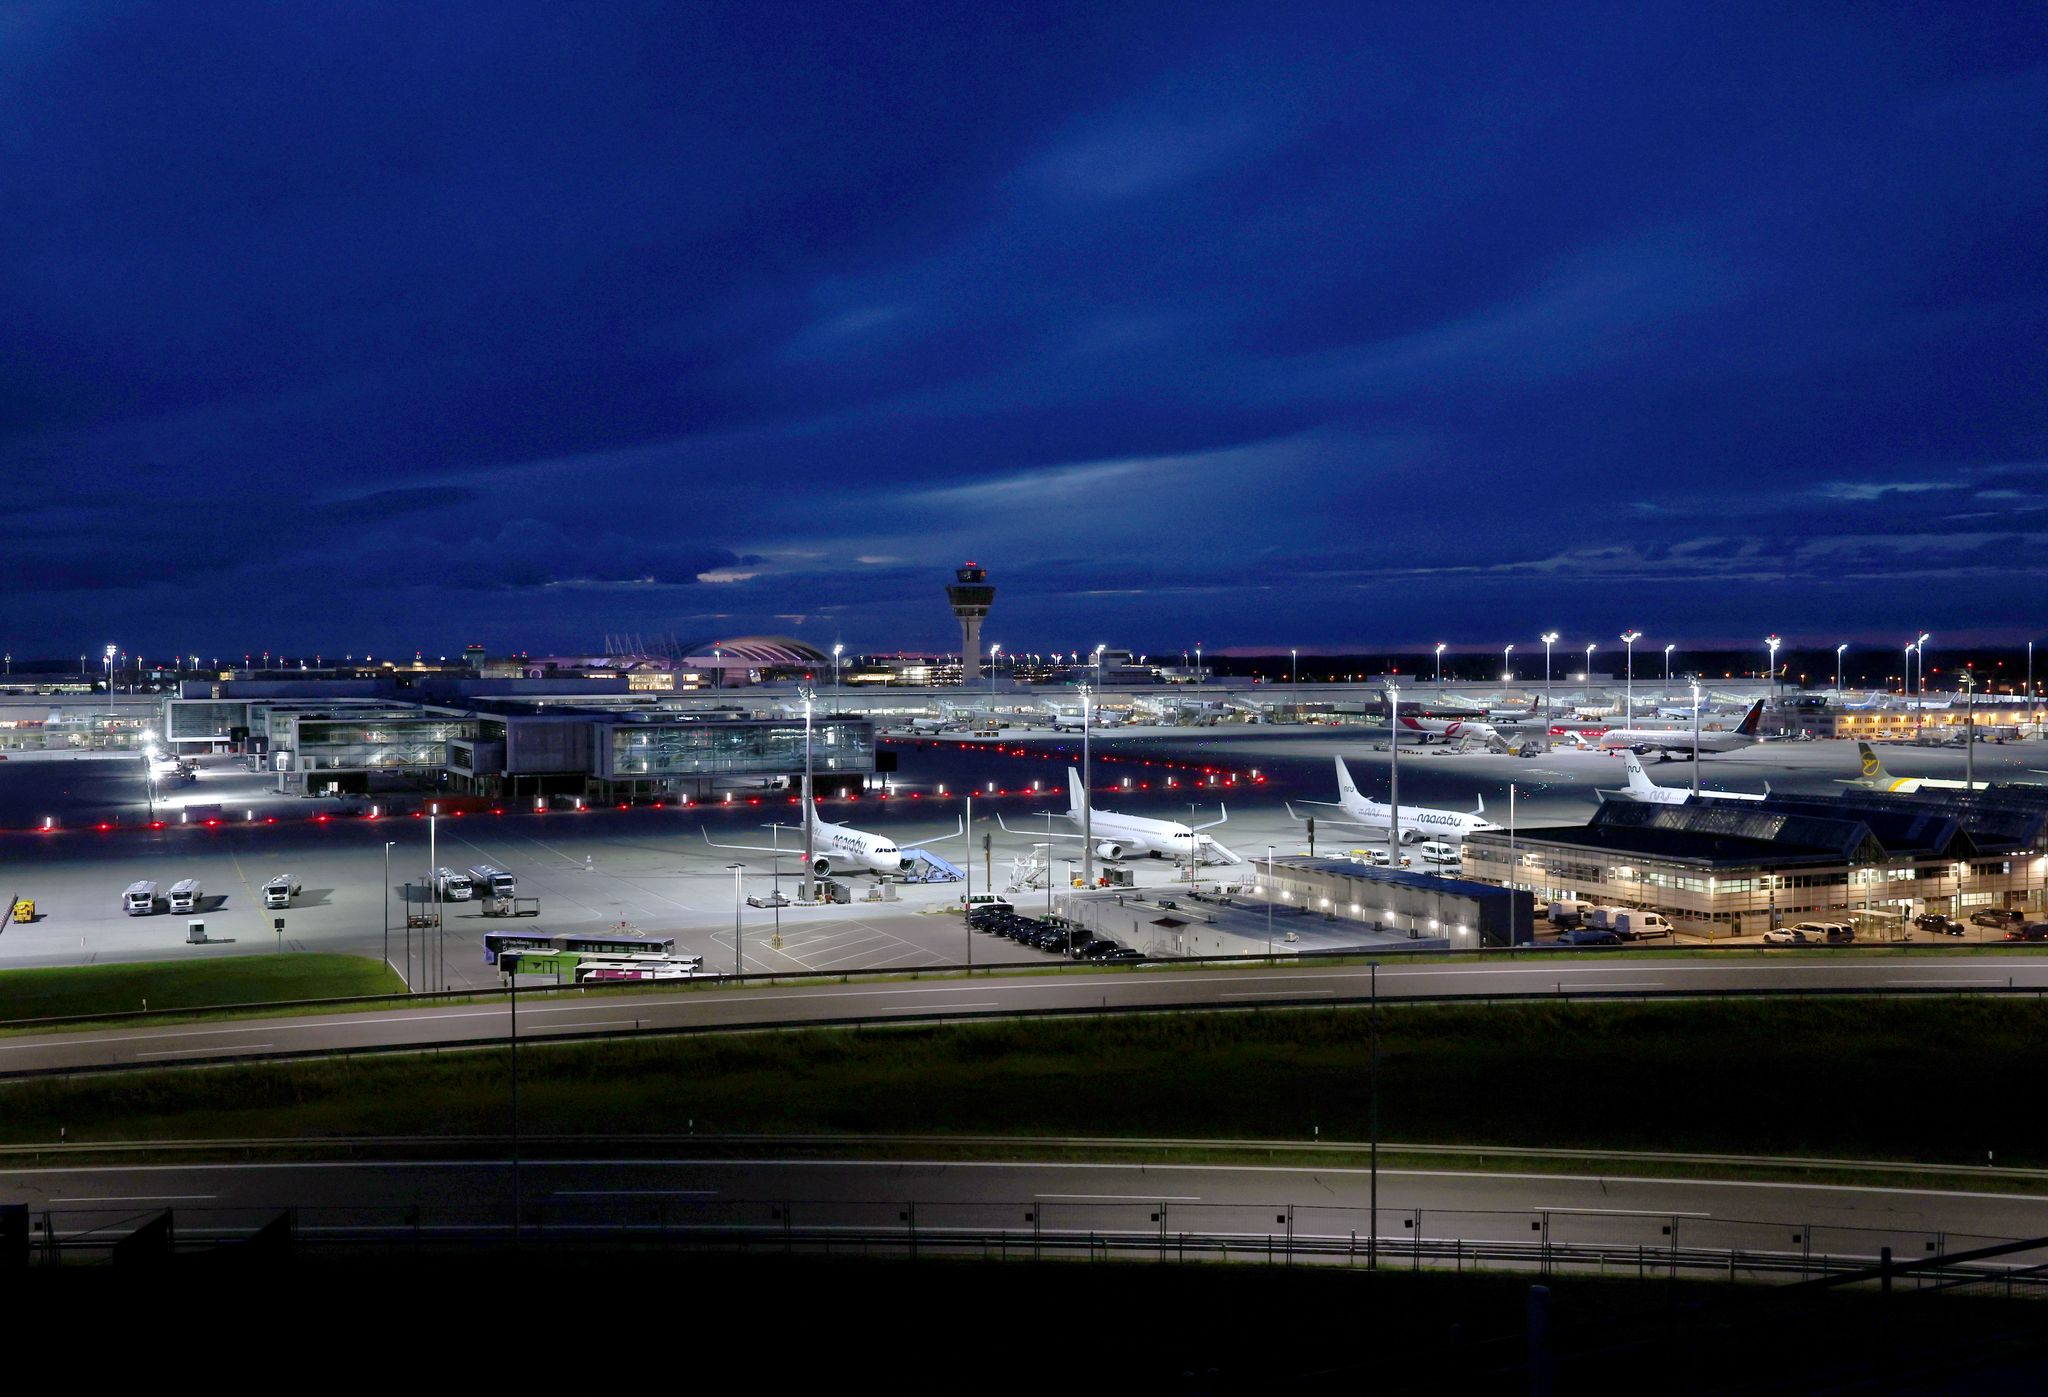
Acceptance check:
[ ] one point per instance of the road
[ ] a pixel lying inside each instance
(1249, 1204)
(1558, 972)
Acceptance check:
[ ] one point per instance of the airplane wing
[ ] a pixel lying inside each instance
(1037, 833)
(937, 837)
(756, 848)
(1331, 805)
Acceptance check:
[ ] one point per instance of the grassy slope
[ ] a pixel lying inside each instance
(1928, 1080)
(165, 985)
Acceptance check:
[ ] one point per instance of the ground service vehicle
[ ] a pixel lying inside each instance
(1568, 911)
(1588, 936)
(280, 891)
(185, 895)
(450, 886)
(140, 899)
(486, 881)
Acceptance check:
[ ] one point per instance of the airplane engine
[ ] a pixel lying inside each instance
(821, 866)
(1107, 850)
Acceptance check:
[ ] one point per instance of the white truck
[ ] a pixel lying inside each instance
(1568, 911)
(140, 899)
(280, 891)
(450, 886)
(185, 895)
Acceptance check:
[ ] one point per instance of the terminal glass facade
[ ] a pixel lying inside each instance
(384, 743)
(658, 750)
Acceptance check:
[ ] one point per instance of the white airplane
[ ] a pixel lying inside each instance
(1448, 730)
(1118, 835)
(1678, 742)
(1641, 788)
(841, 847)
(1418, 822)
(1876, 778)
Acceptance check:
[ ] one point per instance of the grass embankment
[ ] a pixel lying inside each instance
(1939, 1082)
(184, 985)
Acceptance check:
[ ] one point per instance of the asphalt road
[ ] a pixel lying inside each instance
(1562, 972)
(1253, 1204)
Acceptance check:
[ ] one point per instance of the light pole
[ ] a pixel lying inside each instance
(1589, 670)
(1271, 893)
(810, 819)
(1920, 655)
(1293, 669)
(1839, 651)
(1087, 796)
(387, 907)
(736, 904)
(994, 653)
(1695, 738)
(1628, 701)
(1549, 639)
(1667, 667)
(1439, 664)
(1393, 776)
(1372, 1233)
(1968, 684)
(1772, 643)
(1507, 672)
(2030, 681)
(837, 650)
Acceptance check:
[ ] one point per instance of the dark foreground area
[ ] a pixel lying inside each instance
(1939, 1081)
(850, 1324)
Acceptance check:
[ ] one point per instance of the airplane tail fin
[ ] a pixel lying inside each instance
(1873, 769)
(1638, 779)
(1752, 719)
(1480, 809)
(1077, 798)
(1346, 790)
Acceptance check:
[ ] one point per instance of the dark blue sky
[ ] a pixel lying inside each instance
(373, 327)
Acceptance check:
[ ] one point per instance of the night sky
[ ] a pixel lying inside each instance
(366, 328)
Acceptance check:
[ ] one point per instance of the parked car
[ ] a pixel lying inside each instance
(1786, 936)
(1996, 916)
(1938, 923)
(1588, 936)
(2032, 931)
(1118, 953)
(1087, 949)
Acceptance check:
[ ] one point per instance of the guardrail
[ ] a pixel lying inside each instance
(907, 1228)
(711, 981)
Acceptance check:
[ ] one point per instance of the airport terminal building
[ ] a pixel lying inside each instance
(514, 740)
(1729, 868)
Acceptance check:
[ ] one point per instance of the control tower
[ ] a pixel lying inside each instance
(970, 596)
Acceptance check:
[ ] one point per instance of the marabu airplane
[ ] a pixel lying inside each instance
(1641, 788)
(1119, 835)
(1418, 822)
(841, 847)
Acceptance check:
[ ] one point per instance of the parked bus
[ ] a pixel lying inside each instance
(601, 943)
(577, 968)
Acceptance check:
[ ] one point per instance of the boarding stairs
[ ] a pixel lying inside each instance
(923, 866)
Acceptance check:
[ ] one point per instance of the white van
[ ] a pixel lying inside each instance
(1602, 918)
(185, 895)
(280, 891)
(1568, 911)
(452, 886)
(1438, 853)
(1640, 926)
(139, 900)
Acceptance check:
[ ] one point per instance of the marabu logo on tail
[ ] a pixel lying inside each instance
(1871, 765)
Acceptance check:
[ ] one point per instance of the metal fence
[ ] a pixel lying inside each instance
(1541, 1242)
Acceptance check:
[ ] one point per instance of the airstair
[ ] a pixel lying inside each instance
(923, 866)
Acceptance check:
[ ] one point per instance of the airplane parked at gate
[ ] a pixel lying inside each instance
(1641, 788)
(1118, 835)
(1676, 743)
(1418, 822)
(1876, 778)
(841, 848)
(1424, 730)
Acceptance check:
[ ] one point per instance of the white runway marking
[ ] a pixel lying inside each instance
(182, 1052)
(145, 1198)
